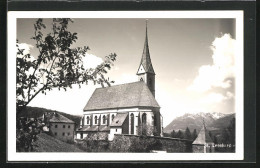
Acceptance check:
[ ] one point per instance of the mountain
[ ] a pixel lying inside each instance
(35, 112)
(222, 122)
(213, 121)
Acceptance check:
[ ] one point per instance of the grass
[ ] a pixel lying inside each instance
(47, 143)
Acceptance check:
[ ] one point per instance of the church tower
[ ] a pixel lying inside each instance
(145, 71)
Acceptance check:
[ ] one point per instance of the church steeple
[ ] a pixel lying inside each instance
(145, 71)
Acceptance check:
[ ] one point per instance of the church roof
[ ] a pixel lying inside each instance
(128, 95)
(119, 119)
(203, 137)
(94, 128)
(146, 60)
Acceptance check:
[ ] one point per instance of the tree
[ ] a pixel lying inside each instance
(146, 130)
(173, 134)
(194, 134)
(57, 64)
(187, 134)
(232, 131)
(210, 134)
(180, 135)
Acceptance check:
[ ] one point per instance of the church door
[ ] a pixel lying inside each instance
(132, 123)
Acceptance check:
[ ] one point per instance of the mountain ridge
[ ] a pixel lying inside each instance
(213, 121)
(36, 112)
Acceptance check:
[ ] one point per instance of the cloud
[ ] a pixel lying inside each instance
(126, 78)
(213, 98)
(216, 98)
(26, 50)
(91, 61)
(216, 75)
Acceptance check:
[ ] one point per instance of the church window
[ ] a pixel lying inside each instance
(104, 119)
(81, 135)
(56, 126)
(95, 119)
(69, 126)
(113, 116)
(132, 123)
(63, 134)
(83, 120)
(87, 119)
(141, 79)
(144, 118)
(116, 130)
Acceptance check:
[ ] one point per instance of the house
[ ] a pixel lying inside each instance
(203, 143)
(58, 125)
(129, 108)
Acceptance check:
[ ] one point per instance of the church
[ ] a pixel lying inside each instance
(129, 108)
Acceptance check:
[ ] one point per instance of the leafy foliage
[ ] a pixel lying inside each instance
(194, 134)
(26, 132)
(57, 65)
(146, 130)
(187, 134)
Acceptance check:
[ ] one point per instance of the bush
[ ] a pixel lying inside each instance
(124, 143)
(96, 142)
(26, 133)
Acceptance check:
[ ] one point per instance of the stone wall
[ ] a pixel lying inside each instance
(134, 143)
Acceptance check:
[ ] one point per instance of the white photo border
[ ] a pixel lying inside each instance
(12, 155)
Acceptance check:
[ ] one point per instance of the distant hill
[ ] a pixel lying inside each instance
(35, 112)
(222, 122)
(214, 121)
(47, 143)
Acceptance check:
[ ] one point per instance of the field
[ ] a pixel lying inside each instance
(47, 143)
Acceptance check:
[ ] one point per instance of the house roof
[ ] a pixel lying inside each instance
(119, 119)
(146, 60)
(128, 95)
(58, 118)
(203, 137)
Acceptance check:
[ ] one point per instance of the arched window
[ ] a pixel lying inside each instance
(82, 121)
(113, 116)
(87, 119)
(104, 119)
(141, 79)
(95, 119)
(144, 118)
(132, 123)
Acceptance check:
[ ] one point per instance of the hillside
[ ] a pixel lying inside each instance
(222, 122)
(214, 121)
(35, 112)
(47, 143)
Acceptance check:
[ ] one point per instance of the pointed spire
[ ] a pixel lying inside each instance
(203, 136)
(146, 60)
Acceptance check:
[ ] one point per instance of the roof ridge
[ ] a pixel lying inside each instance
(118, 85)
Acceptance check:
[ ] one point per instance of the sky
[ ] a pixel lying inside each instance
(193, 60)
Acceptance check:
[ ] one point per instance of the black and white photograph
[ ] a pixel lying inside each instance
(146, 85)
